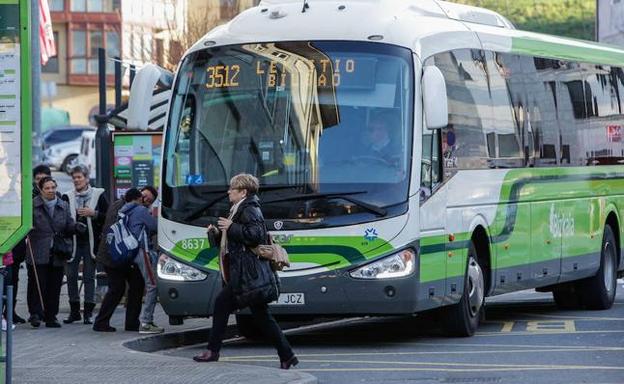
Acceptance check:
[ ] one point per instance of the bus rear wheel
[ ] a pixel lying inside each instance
(462, 319)
(248, 328)
(598, 292)
(567, 296)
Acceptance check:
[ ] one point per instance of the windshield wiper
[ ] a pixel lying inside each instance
(209, 204)
(196, 213)
(379, 211)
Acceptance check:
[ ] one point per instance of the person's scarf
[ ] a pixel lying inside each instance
(82, 198)
(49, 205)
(223, 249)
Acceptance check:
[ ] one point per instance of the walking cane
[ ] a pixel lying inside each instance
(32, 258)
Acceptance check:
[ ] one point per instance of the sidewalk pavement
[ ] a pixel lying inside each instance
(75, 354)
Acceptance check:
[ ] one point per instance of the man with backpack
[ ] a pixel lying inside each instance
(135, 219)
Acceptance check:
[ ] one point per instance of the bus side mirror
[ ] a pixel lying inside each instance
(142, 92)
(435, 101)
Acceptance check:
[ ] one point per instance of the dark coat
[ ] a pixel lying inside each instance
(102, 255)
(42, 234)
(252, 280)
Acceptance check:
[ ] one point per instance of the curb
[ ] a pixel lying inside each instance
(155, 343)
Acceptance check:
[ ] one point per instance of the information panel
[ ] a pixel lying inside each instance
(15, 123)
(136, 160)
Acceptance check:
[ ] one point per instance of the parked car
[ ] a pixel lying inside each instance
(86, 156)
(62, 145)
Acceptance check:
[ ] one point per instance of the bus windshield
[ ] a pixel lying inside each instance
(325, 126)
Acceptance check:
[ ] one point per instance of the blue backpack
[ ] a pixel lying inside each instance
(122, 245)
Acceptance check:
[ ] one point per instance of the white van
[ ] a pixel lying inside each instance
(86, 156)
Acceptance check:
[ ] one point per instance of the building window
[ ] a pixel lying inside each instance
(52, 66)
(79, 52)
(94, 5)
(78, 6)
(85, 46)
(57, 5)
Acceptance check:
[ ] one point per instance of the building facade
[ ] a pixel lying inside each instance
(138, 32)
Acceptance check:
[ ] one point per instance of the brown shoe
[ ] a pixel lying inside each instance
(206, 357)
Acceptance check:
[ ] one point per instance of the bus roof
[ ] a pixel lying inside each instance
(425, 26)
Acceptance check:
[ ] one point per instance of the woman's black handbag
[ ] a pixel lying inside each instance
(62, 247)
(257, 284)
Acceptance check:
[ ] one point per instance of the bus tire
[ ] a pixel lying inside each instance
(567, 296)
(248, 328)
(462, 319)
(598, 292)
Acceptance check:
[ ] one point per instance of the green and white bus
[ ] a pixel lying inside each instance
(498, 166)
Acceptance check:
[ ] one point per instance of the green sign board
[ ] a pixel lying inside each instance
(15, 122)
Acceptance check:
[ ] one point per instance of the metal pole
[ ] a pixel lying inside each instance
(36, 82)
(2, 272)
(102, 135)
(9, 337)
(117, 82)
(132, 73)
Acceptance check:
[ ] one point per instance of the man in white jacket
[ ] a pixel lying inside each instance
(87, 205)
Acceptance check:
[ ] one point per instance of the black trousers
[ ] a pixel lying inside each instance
(225, 305)
(15, 268)
(11, 278)
(50, 281)
(117, 278)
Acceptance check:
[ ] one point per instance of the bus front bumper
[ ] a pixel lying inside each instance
(328, 293)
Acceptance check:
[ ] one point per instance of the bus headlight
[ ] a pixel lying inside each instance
(397, 265)
(170, 269)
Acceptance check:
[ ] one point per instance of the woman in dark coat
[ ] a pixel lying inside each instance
(243, 229)
(50, 215)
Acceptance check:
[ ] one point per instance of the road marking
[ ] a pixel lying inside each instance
(411, 353)
(588, 318)
(551, 326)
(555, 332)
(414, 369)
(507, 326)
(472, 366)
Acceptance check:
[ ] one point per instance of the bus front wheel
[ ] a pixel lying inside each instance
(462, 319)
(598, 292)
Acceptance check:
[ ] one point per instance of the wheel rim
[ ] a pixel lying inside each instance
(609, 269)
(475, 287)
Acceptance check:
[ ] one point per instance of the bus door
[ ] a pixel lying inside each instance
(576, 220)
(433, 238)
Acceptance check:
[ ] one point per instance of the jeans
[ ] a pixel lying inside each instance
(225, 304)
(83, 252)
(149, 276)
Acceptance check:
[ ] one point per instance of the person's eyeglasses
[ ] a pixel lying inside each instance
(234, 189)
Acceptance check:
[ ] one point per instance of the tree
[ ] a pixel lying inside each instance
(570, 18)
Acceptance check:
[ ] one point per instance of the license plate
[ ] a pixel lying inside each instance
(290, 299)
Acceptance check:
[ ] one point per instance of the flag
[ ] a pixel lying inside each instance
(46, 37)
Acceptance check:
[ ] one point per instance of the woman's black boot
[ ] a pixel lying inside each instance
(290, 362)
(88, 312)
(74, 312)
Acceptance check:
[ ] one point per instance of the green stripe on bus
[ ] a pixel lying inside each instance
(590, 53)
(332, 252)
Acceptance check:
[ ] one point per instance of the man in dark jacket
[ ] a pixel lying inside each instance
(118, 275)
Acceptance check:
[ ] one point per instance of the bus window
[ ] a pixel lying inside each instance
(468, 107)
(430, 175)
